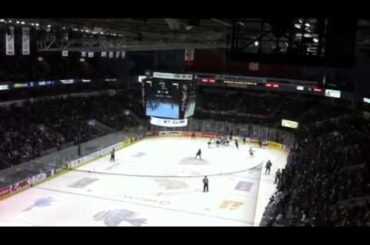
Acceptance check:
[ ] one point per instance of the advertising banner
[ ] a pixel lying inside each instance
(38, 178)
(4, 191)
(9, 41)
(21, 185)
(25, 41)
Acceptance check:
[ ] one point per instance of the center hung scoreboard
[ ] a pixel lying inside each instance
(169, 98)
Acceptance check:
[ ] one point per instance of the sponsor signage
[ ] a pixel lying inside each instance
(289, 123)
(332, 93)
(67, 81)
(172, 76)
(21, 185)
(4, 87)
(300, 88)
(4, 191)
(20, 85)
(38, 178)
(169, 133)
(168, 122)
(111, 80)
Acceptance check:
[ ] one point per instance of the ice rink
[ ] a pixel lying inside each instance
(154, 182)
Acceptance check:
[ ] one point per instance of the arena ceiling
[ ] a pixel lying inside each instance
(151, 34)
(157, 33)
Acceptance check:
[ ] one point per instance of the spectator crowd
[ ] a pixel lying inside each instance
(28, 130)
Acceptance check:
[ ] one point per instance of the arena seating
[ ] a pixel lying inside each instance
(28, 130)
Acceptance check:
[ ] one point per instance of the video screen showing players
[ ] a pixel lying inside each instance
(162, 108)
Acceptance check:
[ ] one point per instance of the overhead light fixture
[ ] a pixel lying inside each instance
(256, 43)
(40, 58)
(2, 20)
(240, 23)
(188, 28)
(49, 26)
(17, 22)
(37, 24)
(307, 24)
(22, 23)
(316, 40)
(298, 26)
(300, 21)
(10, 21)
(82, 60)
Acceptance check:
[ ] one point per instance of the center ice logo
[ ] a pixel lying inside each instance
(115, 217)
(42, 202)
(171, 184)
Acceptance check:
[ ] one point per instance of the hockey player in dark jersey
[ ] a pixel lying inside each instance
(112, 155)
(205, 184)
(237, 144)
(199, 154)
(277, 176)
(268, 167)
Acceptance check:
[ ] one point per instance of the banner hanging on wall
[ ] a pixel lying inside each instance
(25, 41)
(9, 41)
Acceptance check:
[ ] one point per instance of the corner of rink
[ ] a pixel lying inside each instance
(267, 186)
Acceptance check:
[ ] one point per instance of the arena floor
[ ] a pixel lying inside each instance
(154, 182)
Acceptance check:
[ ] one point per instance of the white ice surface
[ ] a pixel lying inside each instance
(137, 189)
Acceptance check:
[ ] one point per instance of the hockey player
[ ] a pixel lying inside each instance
(217, 142)
(193, 136)
(277, 176)
(236, 144)
(251, 151)
(112, 155)
(199, 154)
(205, 184)
(244, 140)
(268, 167)
(260, 143)
(209, 143)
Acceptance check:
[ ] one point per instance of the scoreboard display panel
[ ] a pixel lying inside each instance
(168, 95)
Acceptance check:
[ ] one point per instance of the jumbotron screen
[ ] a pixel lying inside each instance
(169, 96)
(162, 108)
